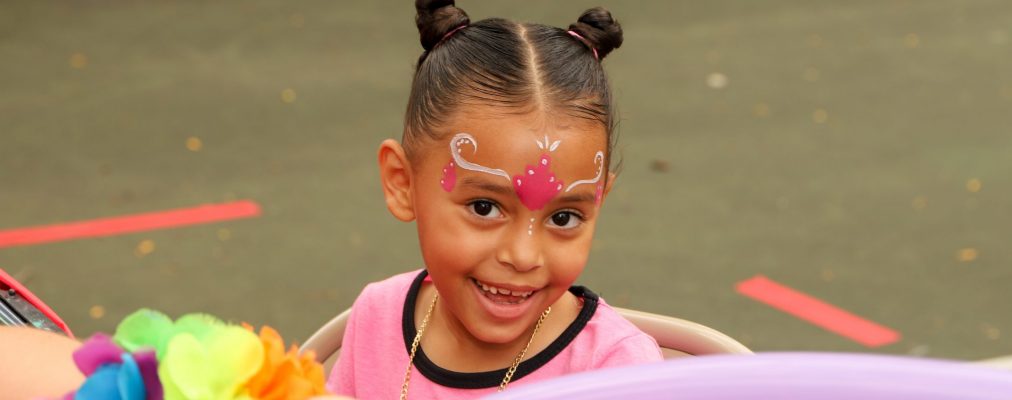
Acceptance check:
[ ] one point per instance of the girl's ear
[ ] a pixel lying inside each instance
(395, 177)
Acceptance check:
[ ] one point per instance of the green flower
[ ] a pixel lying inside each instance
(199, 356)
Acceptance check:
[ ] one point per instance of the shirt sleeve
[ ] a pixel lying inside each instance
(634, 349)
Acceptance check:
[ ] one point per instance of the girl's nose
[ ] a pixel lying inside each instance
(520, 249)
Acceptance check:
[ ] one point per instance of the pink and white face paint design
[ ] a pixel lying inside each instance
(450, 173)
(538, 186)
(599, 190)
(535, 188)
(449, 177)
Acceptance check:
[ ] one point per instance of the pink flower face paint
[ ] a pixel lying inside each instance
(449, 177)
(537, 186)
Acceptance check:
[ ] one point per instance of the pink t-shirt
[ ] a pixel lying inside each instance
(381, 327)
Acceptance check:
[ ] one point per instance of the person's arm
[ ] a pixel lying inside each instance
(36, 363)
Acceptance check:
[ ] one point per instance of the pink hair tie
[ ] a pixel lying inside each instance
(450, 33)
(585, 42)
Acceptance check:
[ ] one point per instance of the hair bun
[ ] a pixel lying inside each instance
(599, 29)
(436, 18)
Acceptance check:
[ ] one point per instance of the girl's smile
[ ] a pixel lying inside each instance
(509, 293)
(505, 306)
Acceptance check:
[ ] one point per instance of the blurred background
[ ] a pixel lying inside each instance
(856, 151)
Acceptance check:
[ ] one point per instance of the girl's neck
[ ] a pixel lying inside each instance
(448, 344)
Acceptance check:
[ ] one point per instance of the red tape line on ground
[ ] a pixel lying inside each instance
(815, 311)
(129, 223)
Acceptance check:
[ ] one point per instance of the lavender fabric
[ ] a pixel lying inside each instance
(780, 376)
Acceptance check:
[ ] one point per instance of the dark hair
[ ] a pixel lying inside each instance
(508, 64)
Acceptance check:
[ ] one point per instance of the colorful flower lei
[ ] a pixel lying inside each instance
(195, 357)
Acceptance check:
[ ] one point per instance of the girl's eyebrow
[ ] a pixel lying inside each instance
(578, 197)
(482, 184)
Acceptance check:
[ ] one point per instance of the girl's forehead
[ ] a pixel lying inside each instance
(538, 160)
(512, 142)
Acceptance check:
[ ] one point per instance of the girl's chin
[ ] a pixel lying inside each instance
(498, 335)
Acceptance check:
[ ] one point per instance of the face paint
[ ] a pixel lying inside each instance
(449, 177)
(461, 139)
(535, 188)
(538, 185)
(599, 160)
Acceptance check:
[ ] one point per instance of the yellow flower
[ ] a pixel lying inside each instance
(212, 361)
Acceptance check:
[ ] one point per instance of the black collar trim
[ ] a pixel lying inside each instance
(481, 380)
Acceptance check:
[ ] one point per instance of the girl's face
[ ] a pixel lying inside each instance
(506, 208)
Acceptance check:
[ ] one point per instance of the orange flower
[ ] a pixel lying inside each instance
(285, 376)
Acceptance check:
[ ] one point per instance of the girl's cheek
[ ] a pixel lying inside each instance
(571, 257)
(569, 262)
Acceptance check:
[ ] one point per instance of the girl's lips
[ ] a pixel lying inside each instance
(512, 308)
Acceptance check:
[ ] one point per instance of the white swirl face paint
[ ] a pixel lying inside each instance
(599, 192)
(461, 139)
(599, 160)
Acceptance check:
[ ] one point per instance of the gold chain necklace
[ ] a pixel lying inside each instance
(425, 322)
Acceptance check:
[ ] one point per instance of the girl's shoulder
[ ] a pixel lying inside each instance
(602, 322)
(385, 294)
(399, 283)
(615, 341)
(608, 319)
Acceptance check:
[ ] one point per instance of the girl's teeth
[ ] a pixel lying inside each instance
(495, 290)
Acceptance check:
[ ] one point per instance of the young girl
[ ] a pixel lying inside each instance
(504, 167)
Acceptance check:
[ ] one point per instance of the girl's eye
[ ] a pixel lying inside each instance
(566, 219)
(484, 209)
